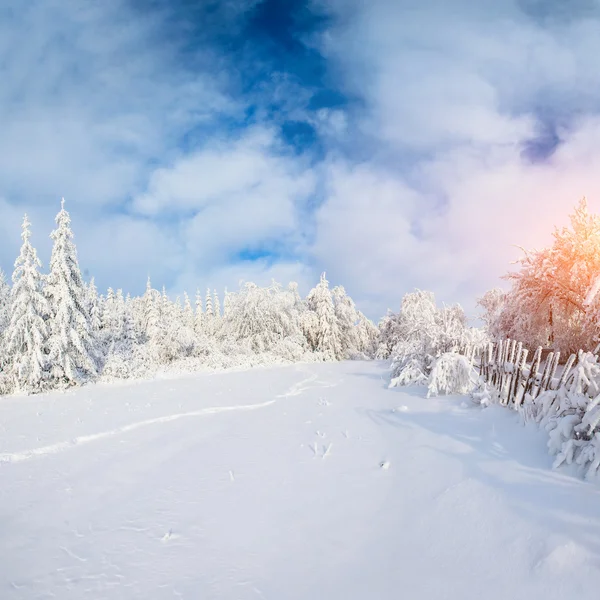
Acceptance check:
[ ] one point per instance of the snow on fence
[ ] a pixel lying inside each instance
(504, 367)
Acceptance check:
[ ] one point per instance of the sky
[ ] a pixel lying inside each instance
(394, 144)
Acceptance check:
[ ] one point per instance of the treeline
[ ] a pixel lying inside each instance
(57, 330)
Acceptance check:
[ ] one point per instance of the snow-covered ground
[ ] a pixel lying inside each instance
(303, 482)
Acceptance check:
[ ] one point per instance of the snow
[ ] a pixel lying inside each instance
(296, 482)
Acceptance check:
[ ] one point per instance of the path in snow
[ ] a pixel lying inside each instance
(312, 481)
(294, 390)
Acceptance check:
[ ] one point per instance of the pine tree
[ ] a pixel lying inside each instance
(27, 331)
(217, 305)
(209, 306)
(73, 355)
(199, 318)
(4, 308)
(226, 303)
(347, 320)
(327, 335)
(108, 320)
(93, 306)
(188, 311)
(151, 309)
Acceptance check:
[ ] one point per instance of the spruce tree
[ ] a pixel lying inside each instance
(27, 331)
(73, 355)
(216, 305)
(209, 305)
(199, 317)
(188, 311)
(326, 335)
(4, 308)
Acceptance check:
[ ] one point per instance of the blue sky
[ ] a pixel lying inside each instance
(393, 143)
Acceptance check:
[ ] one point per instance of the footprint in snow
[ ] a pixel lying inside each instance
(169, 536)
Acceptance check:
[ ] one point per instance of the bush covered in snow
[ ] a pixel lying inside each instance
(571, 416)
(417, 336)
(452, 373)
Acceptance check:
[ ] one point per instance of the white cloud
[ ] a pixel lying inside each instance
(94, 100)
(237, 194)
(451, 93)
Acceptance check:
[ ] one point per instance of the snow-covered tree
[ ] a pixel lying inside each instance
(209, 312)
(188, 311)
(263, 318)
(326, 335)
(93, 306)
(548, 302)
(151, 309)
(493, 303)
(4, 308)
(73, 357)
(226, 303)
(216, 305)
(199, 316)
(27, 332)
(421, 332)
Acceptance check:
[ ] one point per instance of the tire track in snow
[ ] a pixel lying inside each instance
(14, 457)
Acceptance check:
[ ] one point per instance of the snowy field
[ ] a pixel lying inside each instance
(302, 482)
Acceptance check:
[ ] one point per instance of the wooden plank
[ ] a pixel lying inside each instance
(533, 372)
(516, 361)
(520, 378)
(552, 371)
(566, 371)
(542, 384)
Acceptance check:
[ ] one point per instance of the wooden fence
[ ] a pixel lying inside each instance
(504, 367)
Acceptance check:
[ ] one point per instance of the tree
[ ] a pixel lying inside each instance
(4, 307)
(547, 301)
(188, 311)
(93, 306)
(493, 303)
(199, 317)
(347, 321)
(421, 333)
(262, 318)
(151, 311)
(326, 336)
(72, 354)
(27, 331)
(209, 306)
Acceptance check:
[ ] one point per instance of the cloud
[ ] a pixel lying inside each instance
(452, 96)
(89, 95)
(453, 131)
(234, 194)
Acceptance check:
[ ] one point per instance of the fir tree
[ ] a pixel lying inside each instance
(73, 356)
(188, 311)
(217, 305)
(199, 317)
(4, 308)
(151, 310)
(27, 331)
(327, 335)
(209, 305)
(93, 305)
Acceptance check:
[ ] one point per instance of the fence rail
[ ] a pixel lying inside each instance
(504, 366)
